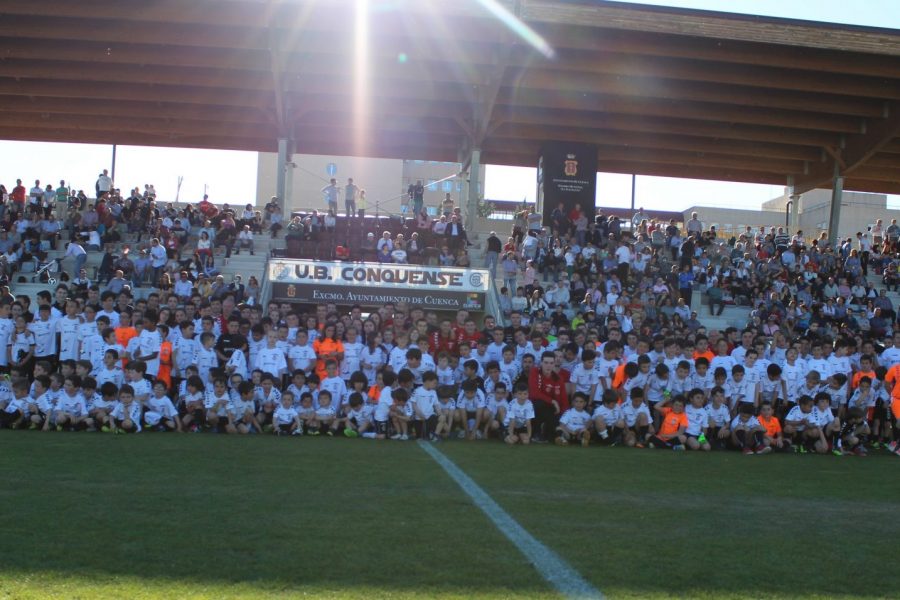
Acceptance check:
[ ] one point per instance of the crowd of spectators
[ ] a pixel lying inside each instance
(143, 242)
(603, 328)
(643, 275)
(422, 239)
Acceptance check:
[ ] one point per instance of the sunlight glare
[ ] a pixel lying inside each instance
(514, 24)
(361, 97)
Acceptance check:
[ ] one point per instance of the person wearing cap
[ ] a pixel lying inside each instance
(492, 253)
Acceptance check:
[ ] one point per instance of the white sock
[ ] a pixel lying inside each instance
(369, 435)
(604, 434)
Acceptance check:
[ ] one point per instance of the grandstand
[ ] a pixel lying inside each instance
(594, 378)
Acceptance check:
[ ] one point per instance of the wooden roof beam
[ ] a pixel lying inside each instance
(132, 110)
(86, 136)
(149, 126)
(593, 135)
(704, 111)
(72, 87)
(854, 152)
(662, 125)
(716, 25)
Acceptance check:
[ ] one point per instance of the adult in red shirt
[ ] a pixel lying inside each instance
(468, 334)
(444, 339)
(208, 209)
(547, 392)
(18, 195)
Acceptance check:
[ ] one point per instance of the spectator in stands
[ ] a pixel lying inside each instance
(416, 193)
(77, 251)
(245, 240)
(462, 259)
(439, 227)
(414, 248)
(715, 295)
(158, 260)
(330, 221)
(296, 230)
(455, 234)
(351, 190)
(118, 283)
(204, 251)
(141, 268)
(18, 197)
(398, 254)
(423, 221)
(226, 234)
(384, 253)
(275, 219)
(493, 248)
(446, 257)
(251, 292)
(385, 242)
(104, 184)
(361, 203)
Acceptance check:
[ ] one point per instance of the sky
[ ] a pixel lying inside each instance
(230, 176)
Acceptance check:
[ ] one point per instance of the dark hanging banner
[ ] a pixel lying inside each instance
(567, 175)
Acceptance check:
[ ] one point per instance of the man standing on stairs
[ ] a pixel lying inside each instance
(492, 253)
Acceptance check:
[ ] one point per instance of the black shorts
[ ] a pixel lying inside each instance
(119, 425)
(470, 414)
(285, 428)
(382, 427)
(512, 430)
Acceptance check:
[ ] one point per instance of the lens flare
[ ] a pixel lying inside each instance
(514, 24)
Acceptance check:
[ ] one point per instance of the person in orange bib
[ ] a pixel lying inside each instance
(671, 430)
(165, 357)
(772, 436)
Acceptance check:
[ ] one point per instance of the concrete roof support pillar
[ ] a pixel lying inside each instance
(474, 189)
(283, 180)
(834, 219)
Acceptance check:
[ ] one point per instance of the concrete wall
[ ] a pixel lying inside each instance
(730, 220)
(381, 178)
(859, 210)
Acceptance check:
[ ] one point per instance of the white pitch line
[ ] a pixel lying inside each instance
(550, 565)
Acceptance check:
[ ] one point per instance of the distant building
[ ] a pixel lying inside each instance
(859, 210)
(385, 180)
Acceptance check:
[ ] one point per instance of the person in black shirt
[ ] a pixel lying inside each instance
(230, 341)
(493, 248)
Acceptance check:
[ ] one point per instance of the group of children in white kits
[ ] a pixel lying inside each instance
(674, 398)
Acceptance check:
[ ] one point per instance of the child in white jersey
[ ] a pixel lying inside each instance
(574, 425)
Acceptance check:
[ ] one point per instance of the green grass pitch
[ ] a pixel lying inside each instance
(203, 516)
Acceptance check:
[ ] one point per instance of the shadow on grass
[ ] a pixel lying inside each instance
(317, 516)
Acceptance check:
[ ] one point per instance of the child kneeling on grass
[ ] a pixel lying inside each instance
(801, 426)
(574, 425)
(12, 412)
(519, 417)
(285, 418)
(674, 423)
(608, 414)
(855, 431)
(126, 416)
(747, 433)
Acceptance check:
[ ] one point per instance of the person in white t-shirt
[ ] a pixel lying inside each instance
(574, 425)
(286, 419)
(425, 405)
(519, 417)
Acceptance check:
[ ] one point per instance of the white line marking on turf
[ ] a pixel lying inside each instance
(550, 565)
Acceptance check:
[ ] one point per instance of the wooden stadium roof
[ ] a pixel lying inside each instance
(662, 91)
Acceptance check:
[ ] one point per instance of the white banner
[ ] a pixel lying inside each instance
(407, 277)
